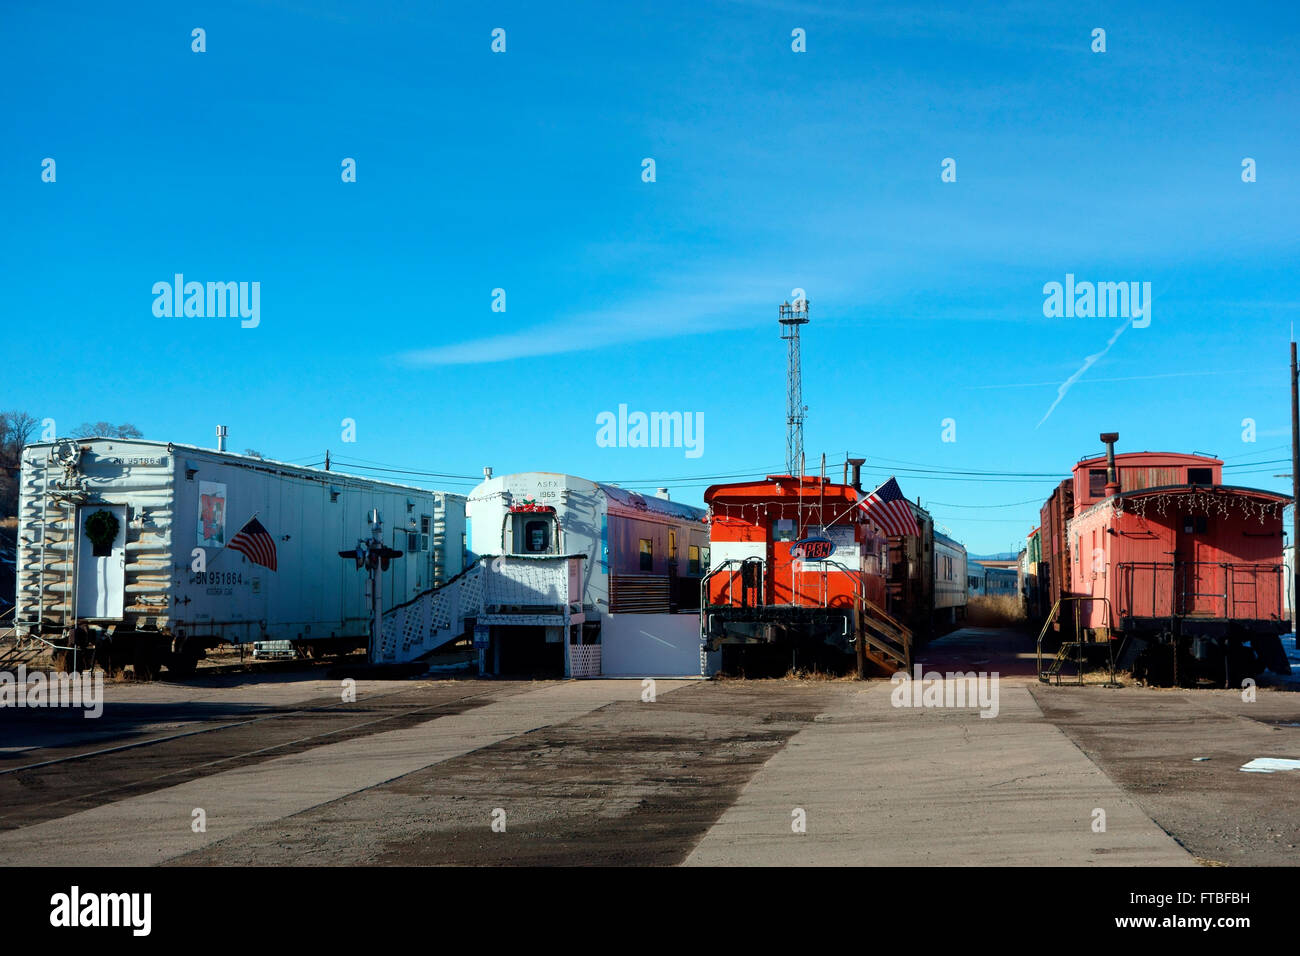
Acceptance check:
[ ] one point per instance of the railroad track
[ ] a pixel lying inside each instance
(190, 769)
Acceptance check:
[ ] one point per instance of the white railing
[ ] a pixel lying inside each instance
(584, 660)
(513, 586)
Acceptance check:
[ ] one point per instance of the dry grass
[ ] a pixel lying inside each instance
(801, 674)
(1003, 610)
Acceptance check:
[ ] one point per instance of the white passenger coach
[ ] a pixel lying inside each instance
(642, 560)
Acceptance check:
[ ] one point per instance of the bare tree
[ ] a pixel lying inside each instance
(108, 430)
(15, 430)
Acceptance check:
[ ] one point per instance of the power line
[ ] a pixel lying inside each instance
(1010, 504)
(939, 469)
(352, 463)
(1247, 464)
(1255, 451)
(963, 520)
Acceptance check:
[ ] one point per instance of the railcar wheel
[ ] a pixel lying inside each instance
(1239, 662)
(146, 662)
(1155, 666)
(112, 666)
(182, 665)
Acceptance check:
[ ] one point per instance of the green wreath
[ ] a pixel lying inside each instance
(101, 529)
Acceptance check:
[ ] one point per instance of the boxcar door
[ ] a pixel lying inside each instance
(101, 561)
(1199, 580)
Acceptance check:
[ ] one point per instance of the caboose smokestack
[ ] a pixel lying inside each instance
(857, 464)
(1112, 476)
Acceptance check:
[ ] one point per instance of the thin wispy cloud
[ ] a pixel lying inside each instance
(1087, 364)
(646, 320)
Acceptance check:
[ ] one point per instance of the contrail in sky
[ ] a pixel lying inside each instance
(1128, 378)
(1087, 364)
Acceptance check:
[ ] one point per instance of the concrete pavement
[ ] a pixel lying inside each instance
(888, 786)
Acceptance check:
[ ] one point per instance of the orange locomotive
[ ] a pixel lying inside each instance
(797, 577)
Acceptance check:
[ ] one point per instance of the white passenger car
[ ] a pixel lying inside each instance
(644, 557)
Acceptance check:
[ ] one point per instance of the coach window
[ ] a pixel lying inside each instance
(537, 536)
(693, 559)
(1096, 482)
(647, 555)
(1200, 476)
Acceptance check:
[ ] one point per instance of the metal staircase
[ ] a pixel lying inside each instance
(502, 590)
(1073, 652)
(431, 619)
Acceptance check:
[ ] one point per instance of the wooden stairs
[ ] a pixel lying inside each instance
(885, 643)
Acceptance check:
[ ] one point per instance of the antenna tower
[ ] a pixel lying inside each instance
(791, 317)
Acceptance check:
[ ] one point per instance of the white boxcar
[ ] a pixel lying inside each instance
(644, 554)
(149, 552)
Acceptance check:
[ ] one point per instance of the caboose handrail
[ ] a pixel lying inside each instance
(1179, 593)
(1051, 616)
(1076, 643)
(740, 562)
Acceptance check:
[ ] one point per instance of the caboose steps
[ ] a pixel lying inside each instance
(886, 641)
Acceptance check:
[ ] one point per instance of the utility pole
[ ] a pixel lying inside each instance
(1295, 486)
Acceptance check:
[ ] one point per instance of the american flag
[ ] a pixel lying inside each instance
(255, 543)
(889, 509)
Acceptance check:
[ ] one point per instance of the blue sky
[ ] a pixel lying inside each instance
(775, 170)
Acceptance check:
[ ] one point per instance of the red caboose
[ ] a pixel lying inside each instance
(1186, 570)
(796, 578)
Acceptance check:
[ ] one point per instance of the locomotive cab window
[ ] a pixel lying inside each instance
(537, 536)
(1200, 476)
(532, 534)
